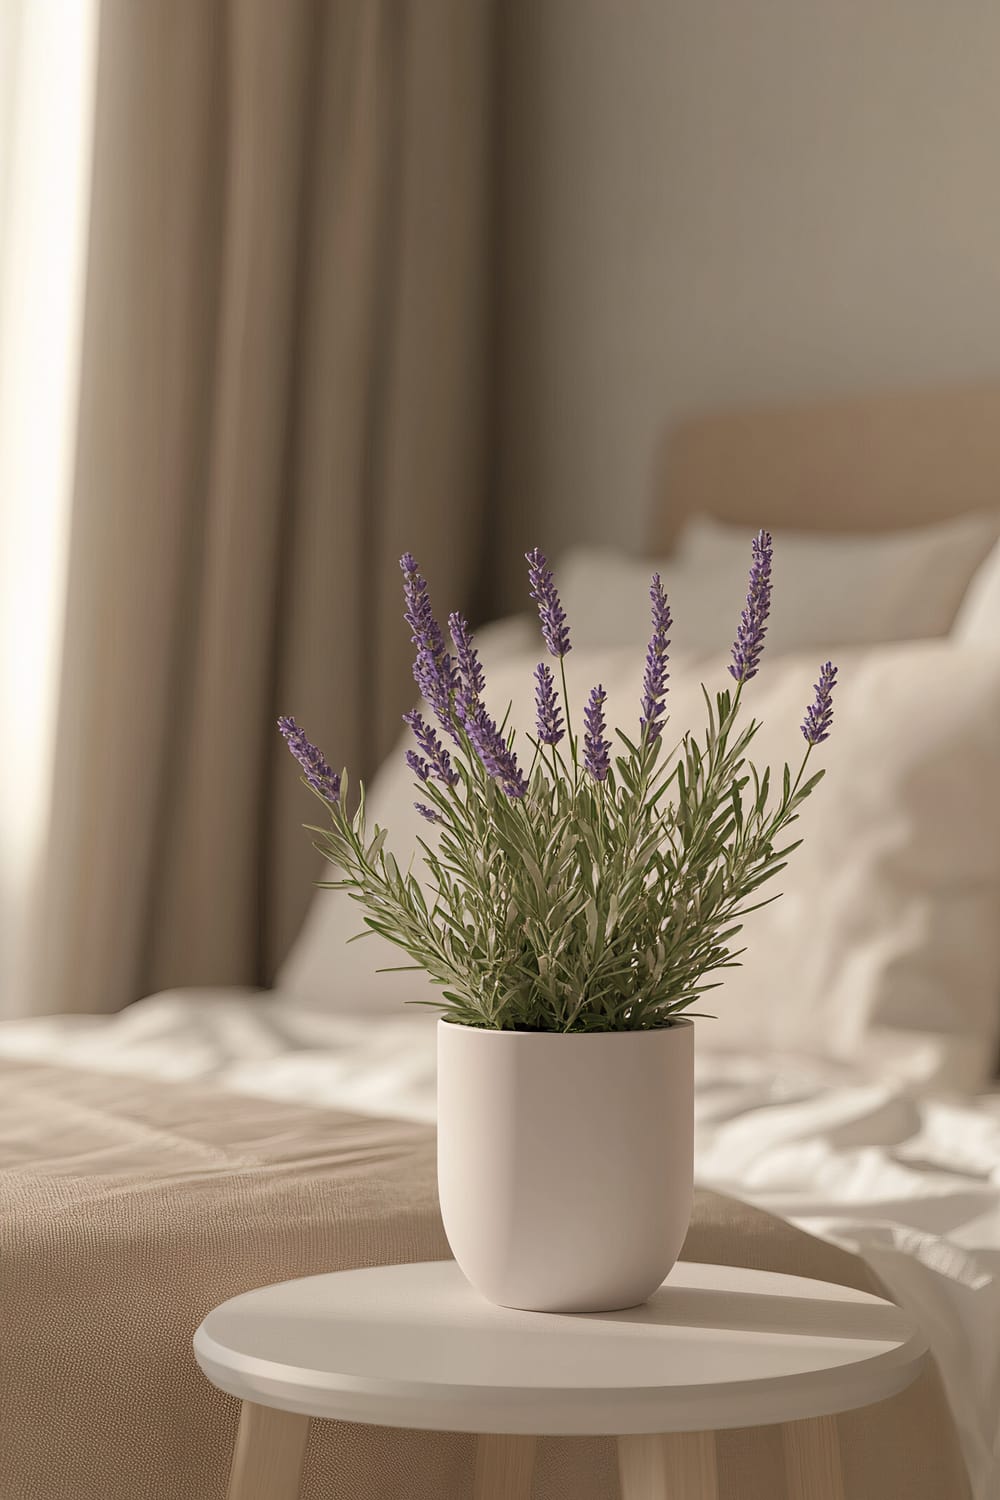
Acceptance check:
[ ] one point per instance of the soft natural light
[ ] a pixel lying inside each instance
(47, 58)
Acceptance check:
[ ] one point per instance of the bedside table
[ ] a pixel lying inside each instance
(414, 1346)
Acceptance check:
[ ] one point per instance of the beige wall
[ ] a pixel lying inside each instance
(712, 200)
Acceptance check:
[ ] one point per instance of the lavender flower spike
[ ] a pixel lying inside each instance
(548, 712)
(418, 765)
(315, 767)
(433, 669)
(438, 760)
(494, 752)
(819, 714)
(595, 747)
(550, 611)
(428, 813)
(472, 678)
(753, 622)
(654, 682)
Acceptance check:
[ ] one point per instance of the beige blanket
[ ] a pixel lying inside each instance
(129, 1209)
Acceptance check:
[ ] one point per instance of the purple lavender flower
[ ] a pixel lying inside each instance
(428, 813)
(550, 611)
(433, 669)
(472, 679)
(753, 622)
(819, 714)
(418, 765)
(494, 752)
(317, 770)
(549, 714)
(595, 747)
(654, 682)
(437, 758)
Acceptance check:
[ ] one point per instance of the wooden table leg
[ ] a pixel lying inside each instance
(674, 1466)
(504, 1465)
(812, 1460)
(267, 1460)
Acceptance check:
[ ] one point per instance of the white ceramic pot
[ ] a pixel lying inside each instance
(565, 1162)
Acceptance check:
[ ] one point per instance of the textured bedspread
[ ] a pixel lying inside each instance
(129, 1208)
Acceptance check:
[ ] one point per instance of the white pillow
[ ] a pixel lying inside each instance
(850, 589)
(978, 620)
(887, 930)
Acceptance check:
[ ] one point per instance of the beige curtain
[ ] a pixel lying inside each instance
(285, 372)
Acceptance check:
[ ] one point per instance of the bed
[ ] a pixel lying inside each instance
(307, 1109)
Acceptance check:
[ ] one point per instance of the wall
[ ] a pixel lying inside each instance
(706, 201)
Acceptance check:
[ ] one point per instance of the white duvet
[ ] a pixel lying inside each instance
(910, 1183)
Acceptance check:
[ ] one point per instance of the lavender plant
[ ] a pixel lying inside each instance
(571, 888)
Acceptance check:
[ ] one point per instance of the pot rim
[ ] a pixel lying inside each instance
(680, 1024)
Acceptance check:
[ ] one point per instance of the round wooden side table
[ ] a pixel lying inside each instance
(414, 1346)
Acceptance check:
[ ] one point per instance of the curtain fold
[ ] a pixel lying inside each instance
(285, 381)
(47, 68)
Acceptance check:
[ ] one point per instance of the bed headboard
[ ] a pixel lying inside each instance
(870, 463)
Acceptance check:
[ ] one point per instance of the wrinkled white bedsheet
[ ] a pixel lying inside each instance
(910, 1183)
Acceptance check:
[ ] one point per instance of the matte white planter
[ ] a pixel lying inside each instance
(565, 1163)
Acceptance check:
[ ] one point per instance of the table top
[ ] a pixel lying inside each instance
(415, 1346)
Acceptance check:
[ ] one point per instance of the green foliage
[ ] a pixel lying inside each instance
(585, 905)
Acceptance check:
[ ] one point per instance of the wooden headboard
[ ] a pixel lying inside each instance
(872, 463)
